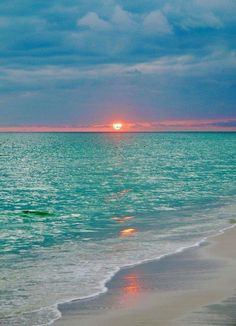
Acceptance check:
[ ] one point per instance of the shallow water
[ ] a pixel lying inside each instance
(77, 207)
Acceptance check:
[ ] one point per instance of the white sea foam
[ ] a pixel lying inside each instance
(78, 271)
(85, 275)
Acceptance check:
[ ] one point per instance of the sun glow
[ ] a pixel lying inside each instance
(117, 125)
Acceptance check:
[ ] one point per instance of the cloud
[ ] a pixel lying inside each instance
(122, 19)
(94, 22)
(191, 124)
(112, 31)
(200, 14)
(225, 6)
(161, 125)
(165, 58)
(206, 20)
(156, 23)
(177, 65)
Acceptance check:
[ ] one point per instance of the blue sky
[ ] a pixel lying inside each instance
(74, 62)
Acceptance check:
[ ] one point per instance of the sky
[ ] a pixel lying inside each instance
(81, 65)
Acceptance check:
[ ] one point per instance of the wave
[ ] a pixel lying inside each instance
(75, 271)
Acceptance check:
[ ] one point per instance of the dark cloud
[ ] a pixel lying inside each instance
(165, 58)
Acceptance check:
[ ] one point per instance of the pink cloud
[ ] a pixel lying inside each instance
(224, 124)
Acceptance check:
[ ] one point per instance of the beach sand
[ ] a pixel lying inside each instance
(194, 287)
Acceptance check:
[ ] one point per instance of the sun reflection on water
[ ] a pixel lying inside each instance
(132, 286)
(122, 219)
(128, 232)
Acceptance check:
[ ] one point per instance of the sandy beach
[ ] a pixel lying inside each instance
(188, 288)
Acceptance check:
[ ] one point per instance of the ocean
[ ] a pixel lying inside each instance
(77, 207)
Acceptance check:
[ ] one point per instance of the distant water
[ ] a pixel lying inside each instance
(77, 207)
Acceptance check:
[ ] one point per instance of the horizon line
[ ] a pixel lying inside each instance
(118, 132)
(168, 125)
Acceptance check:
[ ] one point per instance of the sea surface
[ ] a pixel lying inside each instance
(77, 207)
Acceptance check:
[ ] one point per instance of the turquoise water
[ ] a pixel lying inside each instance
(67, 201)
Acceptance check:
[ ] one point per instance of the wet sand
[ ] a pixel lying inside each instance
(195, 287)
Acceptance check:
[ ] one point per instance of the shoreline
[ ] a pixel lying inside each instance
(85, 311)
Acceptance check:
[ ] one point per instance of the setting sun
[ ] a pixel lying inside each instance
(117, 125)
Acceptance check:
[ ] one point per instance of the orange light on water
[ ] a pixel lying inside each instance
(128, 232)
(123, 219)
(117, 125)
(132, 285)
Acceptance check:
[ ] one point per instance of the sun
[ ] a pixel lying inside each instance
(117, 125)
